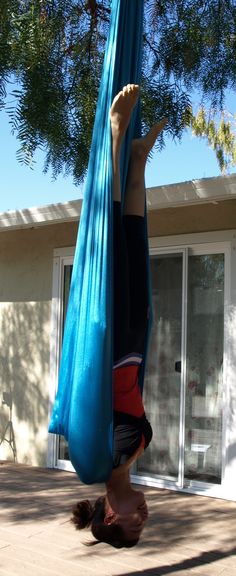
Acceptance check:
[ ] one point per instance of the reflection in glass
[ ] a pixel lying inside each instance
(163, 377)
(205, 334)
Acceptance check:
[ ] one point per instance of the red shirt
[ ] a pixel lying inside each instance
(126, 392)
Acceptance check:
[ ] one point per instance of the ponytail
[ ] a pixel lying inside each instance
(86, 514)
(82, 514)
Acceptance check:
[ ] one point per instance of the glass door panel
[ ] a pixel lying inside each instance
(205, 338)
(163, 373)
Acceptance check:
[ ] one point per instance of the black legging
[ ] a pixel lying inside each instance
(130, 321)
(130, 284)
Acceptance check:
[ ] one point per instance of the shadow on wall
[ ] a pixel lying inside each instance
(24, 369)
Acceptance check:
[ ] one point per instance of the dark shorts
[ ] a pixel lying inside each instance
(128, 434)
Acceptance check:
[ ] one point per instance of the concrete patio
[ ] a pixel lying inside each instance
(185, 534)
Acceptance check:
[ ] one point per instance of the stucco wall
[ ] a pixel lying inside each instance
(25, 327)
(189, 219)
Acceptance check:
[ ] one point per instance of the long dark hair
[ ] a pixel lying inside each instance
(87, 514)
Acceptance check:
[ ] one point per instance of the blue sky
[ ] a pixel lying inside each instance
(22, 187)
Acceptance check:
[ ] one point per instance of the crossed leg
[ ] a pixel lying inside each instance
(120, 114)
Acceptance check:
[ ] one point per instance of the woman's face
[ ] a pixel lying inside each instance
(133, 517)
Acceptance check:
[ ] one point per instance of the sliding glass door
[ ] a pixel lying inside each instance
(183, 392)
(184, 378)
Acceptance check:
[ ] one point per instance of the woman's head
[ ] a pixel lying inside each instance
(118, 530)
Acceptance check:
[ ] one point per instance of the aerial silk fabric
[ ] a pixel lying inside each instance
(82, 412)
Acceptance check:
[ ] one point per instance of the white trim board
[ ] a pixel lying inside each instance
(180, 240)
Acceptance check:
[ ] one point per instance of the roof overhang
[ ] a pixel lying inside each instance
(41, 216)
(202, 191)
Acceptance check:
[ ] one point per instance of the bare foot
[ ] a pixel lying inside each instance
(141, 147)
(121, 110)
(135, 185)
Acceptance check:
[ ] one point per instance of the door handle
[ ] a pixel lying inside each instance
(178, 366)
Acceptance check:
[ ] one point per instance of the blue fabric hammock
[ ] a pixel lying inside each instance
(83, 411)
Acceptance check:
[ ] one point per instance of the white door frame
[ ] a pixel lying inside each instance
(197, 243)
(61, 258)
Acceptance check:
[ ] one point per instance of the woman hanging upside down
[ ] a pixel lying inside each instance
(118, 518)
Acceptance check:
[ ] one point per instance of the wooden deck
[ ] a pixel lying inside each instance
(185, 534)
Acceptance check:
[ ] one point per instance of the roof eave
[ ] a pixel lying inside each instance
(188, 193)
